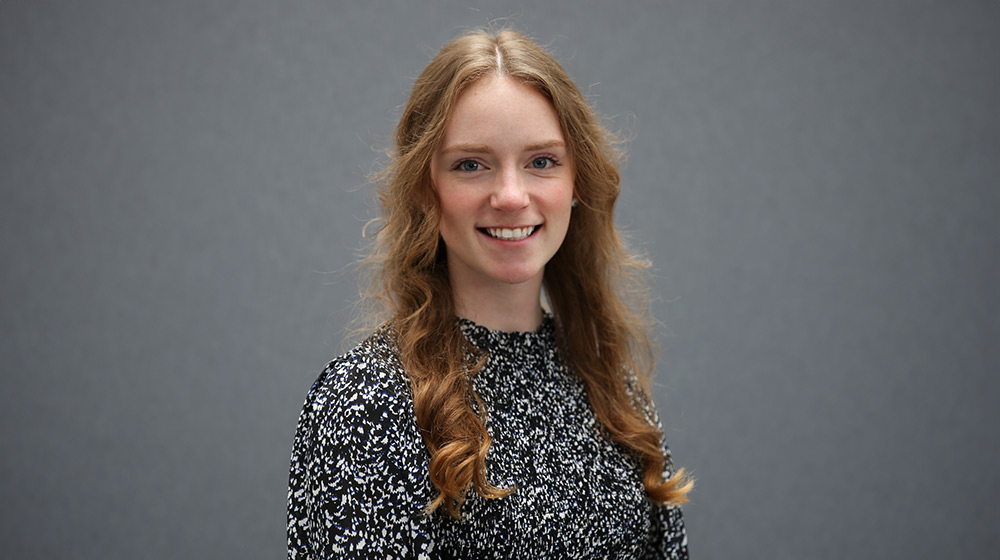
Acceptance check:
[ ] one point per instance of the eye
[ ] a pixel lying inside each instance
(468, 165)
(543, 162)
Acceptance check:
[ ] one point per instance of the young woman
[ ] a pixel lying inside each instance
(474, 423)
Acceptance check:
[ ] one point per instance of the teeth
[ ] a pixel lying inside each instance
(511, 234)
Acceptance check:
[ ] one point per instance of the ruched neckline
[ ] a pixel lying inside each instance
(490, 340)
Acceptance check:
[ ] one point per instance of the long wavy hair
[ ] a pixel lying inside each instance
(594, 285)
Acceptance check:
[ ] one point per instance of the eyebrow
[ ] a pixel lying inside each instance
(483, 149)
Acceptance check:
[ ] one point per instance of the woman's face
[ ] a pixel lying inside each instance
(504, 180)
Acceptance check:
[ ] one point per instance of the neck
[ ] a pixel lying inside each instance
(502, 307)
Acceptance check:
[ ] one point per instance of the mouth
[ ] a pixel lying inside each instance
(510, 234)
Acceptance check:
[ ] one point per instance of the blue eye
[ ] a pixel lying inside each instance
(468, 165)
(542, 162)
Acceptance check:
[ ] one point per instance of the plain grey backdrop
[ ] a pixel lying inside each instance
(817, 182)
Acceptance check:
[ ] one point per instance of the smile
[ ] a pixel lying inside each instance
(509, 234)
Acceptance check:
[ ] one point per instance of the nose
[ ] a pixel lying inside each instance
(509, 194)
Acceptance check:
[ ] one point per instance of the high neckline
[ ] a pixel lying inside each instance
(488, 339)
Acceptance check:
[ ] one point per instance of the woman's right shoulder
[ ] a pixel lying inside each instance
(358, 454)
(375, 360)
(367, 383)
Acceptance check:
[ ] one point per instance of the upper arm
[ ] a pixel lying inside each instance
(355, 488)
(668, 537)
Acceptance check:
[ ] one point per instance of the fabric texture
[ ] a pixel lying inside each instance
(359, 480)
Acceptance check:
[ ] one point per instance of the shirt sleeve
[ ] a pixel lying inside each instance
(357, 487)
(668, 538)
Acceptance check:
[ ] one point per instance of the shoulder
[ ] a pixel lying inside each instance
(371, 367)
(362, 393)
(358, 467)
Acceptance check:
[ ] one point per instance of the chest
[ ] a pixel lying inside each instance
(576, 494)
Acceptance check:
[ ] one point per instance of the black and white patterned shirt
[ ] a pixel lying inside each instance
(359, 480)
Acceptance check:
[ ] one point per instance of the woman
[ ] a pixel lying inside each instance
(472, 423)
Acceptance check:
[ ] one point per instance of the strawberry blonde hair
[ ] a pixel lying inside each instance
(594, 284)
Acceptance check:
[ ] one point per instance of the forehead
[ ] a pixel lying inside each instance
(502, 110)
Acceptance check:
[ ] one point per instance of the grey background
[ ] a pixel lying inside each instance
(183, 189)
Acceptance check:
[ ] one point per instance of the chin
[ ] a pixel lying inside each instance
(515, 277)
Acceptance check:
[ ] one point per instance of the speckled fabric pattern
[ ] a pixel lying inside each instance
(359, 481)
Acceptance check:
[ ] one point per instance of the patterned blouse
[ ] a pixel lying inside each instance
(359, 477)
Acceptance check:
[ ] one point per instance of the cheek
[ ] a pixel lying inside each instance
(458, 199)
(566, 209)
(563, 203)
(458, 211)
